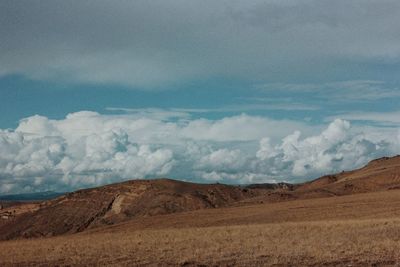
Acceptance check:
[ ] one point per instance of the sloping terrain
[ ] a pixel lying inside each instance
(117, 203)
(13, 209)
(346, 219)
(377, 175)
(353, 230)
(75, 212)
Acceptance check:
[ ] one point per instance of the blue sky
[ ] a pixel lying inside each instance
(203, 91)
(22, 97)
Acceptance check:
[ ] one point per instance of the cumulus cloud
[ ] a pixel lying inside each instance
(89, 149)
(58, 162)
(335, 149)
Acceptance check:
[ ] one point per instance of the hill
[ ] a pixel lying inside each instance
(352, 230)
(377, 175)
(88, 208)
(122, 202)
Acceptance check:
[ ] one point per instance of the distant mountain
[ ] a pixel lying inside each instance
(31, 196)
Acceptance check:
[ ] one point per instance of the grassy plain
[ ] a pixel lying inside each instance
(356, 230)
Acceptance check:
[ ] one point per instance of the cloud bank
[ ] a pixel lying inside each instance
(88, 149)
(153, 43)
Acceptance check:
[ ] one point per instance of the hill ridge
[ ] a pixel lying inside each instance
(115, 203)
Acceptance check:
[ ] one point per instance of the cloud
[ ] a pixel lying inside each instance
(344, 91)
(30, 163)
(256, 104)
(387, 118)
(335, 149)
(88, 149)
(239, 128)
(150, 44)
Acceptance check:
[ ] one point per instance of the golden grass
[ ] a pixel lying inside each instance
(353, 242)
(363, 230)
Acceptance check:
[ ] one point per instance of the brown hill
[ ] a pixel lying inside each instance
(353, 230)
(75, 212)
(377, 175)
(116, 203)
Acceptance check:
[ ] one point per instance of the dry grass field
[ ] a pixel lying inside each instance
(355, 230)
(330, 243)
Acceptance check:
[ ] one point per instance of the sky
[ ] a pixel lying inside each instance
(238, 92)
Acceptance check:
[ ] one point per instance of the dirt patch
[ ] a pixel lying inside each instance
(117, 204)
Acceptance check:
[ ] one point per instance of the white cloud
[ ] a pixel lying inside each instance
(88, 149)
(335, 149)
(392, 117)
(344, 91)
(223, 159)
(240, 128)
(40, 162)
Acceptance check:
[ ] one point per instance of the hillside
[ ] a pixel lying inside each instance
(77, 211)
(117, 203)
(377, 175)
(354, 230)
